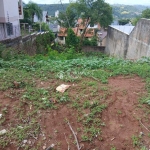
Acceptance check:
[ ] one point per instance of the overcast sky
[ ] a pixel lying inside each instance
(131, 2)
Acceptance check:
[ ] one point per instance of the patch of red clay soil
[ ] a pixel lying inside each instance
(121, 118)
(122, 115)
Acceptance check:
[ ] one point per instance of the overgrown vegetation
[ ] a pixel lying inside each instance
(24, 76)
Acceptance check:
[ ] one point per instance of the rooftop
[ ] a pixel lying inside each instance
(124, 29)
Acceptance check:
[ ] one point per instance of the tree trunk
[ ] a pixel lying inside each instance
(82, 35)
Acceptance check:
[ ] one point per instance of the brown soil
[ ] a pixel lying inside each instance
(122, 118)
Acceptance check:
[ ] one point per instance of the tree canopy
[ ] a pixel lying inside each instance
(94, 11)
(30, 10)
(146, 13)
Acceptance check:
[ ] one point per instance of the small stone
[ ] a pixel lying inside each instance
(52, 145)
(2, 132)
(25, 141)
(44, 138)
(44, 147)
(0, 116)
(141, 133)
(85, 115)
(29, 142)
(20, 127)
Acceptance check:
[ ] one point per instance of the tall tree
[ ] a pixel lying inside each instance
(91, 12)
(146, 13)
(31, 9)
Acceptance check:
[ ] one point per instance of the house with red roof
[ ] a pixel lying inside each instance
(78, 30)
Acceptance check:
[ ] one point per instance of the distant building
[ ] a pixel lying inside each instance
(56, 13)
(44, 17)
(78, 30)
(10, 13)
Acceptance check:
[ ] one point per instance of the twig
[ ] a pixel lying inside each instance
(144, 126)
(78, 147)
(95, 78)
(67, 141)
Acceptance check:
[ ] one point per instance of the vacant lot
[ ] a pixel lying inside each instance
(106, 106)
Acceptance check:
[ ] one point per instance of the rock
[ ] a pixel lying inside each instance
(85, 115)
(25, 141)
(141, 133)
(0, 116)
(44, 138)
(2, 132)
(20, 127)
(52, 145)
(62, 88)
(29, 142)
(44, 147)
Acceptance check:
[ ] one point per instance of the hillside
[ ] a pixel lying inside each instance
(120, 11)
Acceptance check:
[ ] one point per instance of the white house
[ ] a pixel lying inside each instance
(10, 13)
(44, 17)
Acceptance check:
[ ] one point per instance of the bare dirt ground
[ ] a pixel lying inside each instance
(125, 122)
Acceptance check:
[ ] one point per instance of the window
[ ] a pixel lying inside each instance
(61, 37)
(9, 27)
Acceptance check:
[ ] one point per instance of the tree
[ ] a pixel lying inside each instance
(146, 13)
(71, 14)
(72, 39)
(97, 11)
(123, 21)
(31, 9)
(91, 12)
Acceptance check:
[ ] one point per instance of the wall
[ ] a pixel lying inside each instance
(2, 14)
(9, 10)
(9, 13)
(61, 40)
(132, 46)
(93, 49)
(116, 43)
(139, 40)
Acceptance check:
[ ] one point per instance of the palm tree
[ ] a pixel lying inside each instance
(32, 9)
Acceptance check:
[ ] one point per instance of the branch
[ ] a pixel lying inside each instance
(144, 126)
(78, 147)
(67, 141)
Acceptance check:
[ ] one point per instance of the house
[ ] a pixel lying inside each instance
(44, 17)
(10, 13)
(78, 30)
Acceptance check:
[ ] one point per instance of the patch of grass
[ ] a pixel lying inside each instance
(135, 141)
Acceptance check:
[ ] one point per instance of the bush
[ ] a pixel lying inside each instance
(44, 26)
(92, 42)
(72, 39)
(43, 40)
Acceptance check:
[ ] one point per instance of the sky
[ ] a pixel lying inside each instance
(129, 2)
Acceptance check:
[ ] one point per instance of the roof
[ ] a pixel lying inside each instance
(62, 32)
(124, 29)
(89, 32)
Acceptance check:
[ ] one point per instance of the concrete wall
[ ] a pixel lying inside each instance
(9, 10)
(9, 13)
(139, 40)
(93, 49)
(132, 46)
(116, 43)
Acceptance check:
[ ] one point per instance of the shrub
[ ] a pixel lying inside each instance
(43, 40)
(72, 39)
